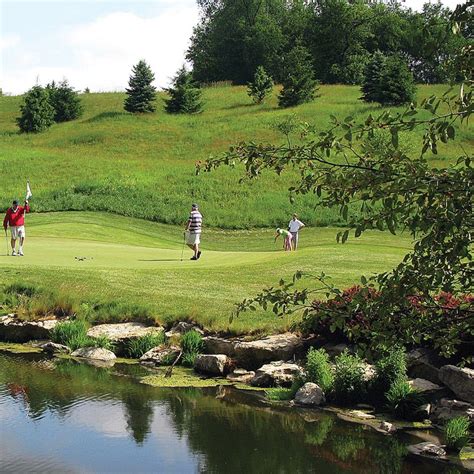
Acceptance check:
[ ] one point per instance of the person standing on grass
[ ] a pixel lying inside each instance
(15, 219)
(294, 227)
(193, 231)
(287, 236)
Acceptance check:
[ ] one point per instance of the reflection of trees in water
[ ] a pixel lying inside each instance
(228, 433)
(139, 414)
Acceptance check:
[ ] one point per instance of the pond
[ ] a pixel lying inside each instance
(57, 415)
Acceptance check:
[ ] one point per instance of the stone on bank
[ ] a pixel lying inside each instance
(212, 364)
(458, 380)
(276, 374)
(310, 395)
(96, 353)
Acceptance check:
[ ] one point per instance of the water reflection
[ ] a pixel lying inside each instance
(70, 416)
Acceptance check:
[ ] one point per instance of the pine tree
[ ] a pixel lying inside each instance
(299, 84)
(261, 86)
(185, 95)
(372, 78)
(37, 114)
(65, 101)
(397, 85)
(141, 94)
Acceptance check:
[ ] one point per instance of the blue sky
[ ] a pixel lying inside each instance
(92, 43)
(95, 43)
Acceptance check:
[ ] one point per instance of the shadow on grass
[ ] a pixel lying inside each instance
(106, 116)
(241, 106)
(161, 260)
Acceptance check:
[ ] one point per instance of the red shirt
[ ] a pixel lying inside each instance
(16, 218)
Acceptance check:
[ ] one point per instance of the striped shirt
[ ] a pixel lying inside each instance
(195, 222)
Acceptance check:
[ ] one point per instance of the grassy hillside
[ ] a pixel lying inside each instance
(132, 268)
(143, 166)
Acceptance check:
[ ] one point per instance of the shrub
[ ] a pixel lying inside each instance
(74, 335)
(281, 394)
(388, 80)
(191, 341)
(349, 384)
(141, 94)
(372, 78)
(192, 345)
(299, 85)
(138, 346)
(354, 316)
(185, 95)
(71, 333)
(318, 369)
(102, 341)
(189, 359)
(261, 86)
(389, 369)
(403, 400)
(37, 114)
(456, 433)
(65, 101)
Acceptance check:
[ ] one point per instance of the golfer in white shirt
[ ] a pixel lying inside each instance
(294, 227)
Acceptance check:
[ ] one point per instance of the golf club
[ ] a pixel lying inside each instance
(184, 245)
(6, 242)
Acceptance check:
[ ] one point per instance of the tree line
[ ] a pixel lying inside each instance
(234, 37)
(387, 81)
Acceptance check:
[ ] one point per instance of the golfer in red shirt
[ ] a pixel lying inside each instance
(15, 219)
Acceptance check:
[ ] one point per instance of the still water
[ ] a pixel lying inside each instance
(58, 415)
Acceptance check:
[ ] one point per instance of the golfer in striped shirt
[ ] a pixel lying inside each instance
(193, 231)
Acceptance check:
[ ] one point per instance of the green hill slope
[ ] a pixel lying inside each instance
(143, 166)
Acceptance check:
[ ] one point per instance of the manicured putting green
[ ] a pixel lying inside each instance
(96, 256)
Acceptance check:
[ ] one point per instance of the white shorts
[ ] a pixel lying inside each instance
(192, 238)
(17, 231)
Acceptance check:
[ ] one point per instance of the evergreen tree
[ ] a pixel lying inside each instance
(65, 101)
(261, 86)
(141, 94)
(185, 95)
(397, 85)
(299, 85)
(372, 78)
(37, 114)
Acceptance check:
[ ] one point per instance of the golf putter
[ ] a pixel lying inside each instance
(6, 242)
(184, 245)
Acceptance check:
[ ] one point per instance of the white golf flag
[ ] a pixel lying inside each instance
(28, 191)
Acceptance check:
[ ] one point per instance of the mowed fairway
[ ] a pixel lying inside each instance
(103, 257)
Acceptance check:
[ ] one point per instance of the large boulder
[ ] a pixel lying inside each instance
(424, 364)
(96, 353)
(252, 354)
(122, 333)
(241, 376)
(447, 409)
(276, 373)
(423, 386)
(310, 394)
(13, 329)
(458, 380)
(212, 364)
(160, 355)
(53, 348)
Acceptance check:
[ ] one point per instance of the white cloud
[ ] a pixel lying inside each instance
(101, 53)
(9, 41)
